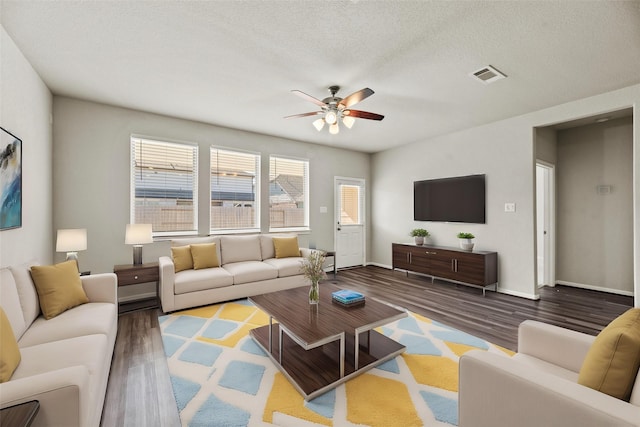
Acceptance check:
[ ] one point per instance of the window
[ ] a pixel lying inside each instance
(288, 194)
(235, 188)
(164, 186)
(350, 204)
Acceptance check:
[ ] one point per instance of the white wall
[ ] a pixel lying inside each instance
(595, 239)
(91, 175)
(505, 152)
(25, 111)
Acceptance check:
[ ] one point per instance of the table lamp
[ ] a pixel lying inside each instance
(71, 241)
(137, 235)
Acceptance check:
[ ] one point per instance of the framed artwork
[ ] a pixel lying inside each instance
(10, 180)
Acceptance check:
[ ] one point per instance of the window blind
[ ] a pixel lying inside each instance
(235, 185)
(164, 186)
(288, 193)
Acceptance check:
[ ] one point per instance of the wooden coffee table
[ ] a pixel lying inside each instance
(318, 347)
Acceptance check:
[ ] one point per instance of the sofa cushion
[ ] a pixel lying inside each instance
(240, 248)
(250, 271)
(286, 266)
(86, 319)
(59, 287)
(198, 241)
(198, 280)
(286, 247)
(26, 291)
(204, 255)
(10, 302)
(89, 350)
(9, 351)
(182, 258)
(612, 362)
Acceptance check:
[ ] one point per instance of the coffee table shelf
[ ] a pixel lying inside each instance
(310, 354)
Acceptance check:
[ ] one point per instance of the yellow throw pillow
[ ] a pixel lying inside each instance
(9, 351)
(286, 247)
(204, 256)
(612, 362)
(59, 287)
(182, 258)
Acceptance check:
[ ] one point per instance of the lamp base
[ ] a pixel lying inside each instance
(73, 256)
(137, 254)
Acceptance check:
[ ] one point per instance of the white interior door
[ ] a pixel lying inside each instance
(350, 223)
(545, 224)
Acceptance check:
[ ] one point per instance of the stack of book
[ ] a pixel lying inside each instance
(347, 297)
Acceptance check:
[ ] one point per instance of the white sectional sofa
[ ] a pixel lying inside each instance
(248, 266)
(65, 361)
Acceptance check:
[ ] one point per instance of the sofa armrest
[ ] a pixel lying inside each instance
(559, 346)
(166, 283)
(61, 394)
(499, 391)
(101, 287)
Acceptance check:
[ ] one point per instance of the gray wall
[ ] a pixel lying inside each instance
(91, 176)
(25, 111)
(595, 231)
(506, 152)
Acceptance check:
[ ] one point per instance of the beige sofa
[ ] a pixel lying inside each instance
(248, 267)
(65, 361)
(538, 386)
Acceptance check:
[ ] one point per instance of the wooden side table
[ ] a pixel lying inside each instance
(20, 415)
(130, 274)
(332, 254)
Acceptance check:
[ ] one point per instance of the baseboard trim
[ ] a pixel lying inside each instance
(377, 264)
(595, 288)
(517, 293)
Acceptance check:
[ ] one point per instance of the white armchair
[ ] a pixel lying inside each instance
(538, 386)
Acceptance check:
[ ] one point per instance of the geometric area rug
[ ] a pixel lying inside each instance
(220, 377)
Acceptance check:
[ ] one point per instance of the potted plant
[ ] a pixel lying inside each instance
(466, 241)
(418, 235)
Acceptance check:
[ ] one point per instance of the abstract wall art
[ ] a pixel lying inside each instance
(10, 180)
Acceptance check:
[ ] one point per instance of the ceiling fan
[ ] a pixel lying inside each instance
(334, 109)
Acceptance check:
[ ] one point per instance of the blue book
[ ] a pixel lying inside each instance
(347, 296)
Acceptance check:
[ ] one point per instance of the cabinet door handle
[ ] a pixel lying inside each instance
(453, 265)
(135, 277)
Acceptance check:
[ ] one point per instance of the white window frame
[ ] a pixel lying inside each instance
(306, 180)
(256, 202)
(132, 180)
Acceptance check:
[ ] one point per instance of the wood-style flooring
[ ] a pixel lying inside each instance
(139, 391)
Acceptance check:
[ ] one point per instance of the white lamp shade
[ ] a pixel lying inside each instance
(71, 240)
(138, 234)
(334, 129)
(348, 121)
(319, 124)
(331, 117)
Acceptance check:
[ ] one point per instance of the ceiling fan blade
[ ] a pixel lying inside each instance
(356, 97)
(363, 114)
(315, 113)
(309, 98)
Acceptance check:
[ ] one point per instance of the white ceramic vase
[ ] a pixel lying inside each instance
(419, 240)
(466, 244)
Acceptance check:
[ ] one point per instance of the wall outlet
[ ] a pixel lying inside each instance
(509, 207)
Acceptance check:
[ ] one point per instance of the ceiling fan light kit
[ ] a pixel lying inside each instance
(335, 109)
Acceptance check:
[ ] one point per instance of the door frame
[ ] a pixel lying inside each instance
(550, 255)
(362, 183)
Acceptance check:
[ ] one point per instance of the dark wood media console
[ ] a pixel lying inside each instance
(477, 268)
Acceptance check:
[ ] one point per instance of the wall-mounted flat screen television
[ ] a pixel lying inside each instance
(457, 199)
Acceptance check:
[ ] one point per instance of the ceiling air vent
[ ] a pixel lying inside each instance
(487, 75)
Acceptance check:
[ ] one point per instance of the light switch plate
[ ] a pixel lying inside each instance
(509, 207)
(323, 209)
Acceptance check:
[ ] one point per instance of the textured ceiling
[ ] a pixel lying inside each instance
(234, 63)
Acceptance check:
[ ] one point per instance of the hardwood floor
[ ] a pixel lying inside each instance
(140, 394)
